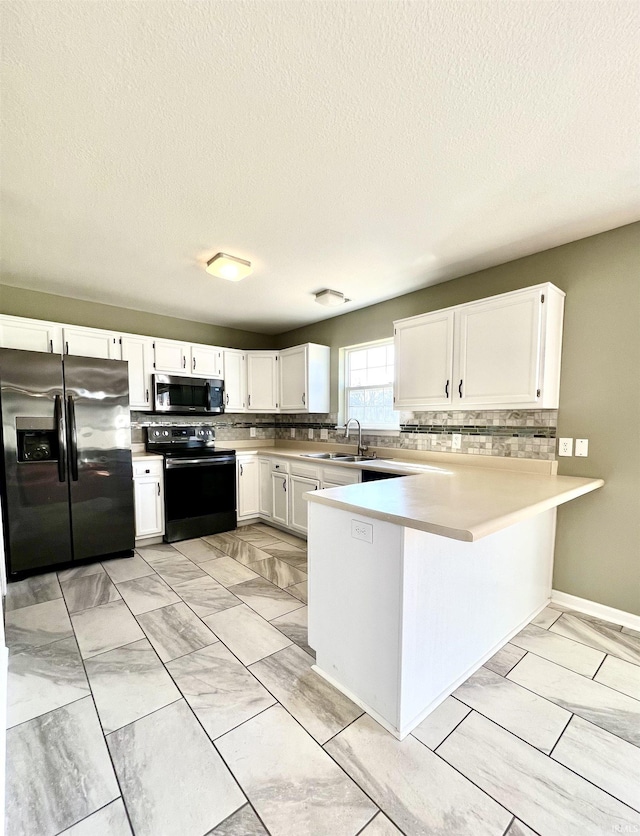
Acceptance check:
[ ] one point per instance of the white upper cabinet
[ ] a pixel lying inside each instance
(262, 381)
(206, 361)
(138, 352)
(304, 378)
(500, 352)
(30, 334)
(235, 380)
(424, 360)
(91, 342)
(172, 357)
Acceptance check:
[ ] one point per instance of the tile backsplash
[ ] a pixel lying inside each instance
(524, 434)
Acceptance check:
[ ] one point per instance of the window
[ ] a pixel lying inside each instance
(368, 385)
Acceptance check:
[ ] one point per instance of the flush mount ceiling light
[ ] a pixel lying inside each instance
(228, 267)
(331, 298)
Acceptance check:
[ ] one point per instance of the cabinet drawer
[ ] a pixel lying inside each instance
(340, 475)
(279, 466)
(308, 471)
(152, 468)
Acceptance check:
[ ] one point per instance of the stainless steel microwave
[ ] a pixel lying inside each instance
(187, 395)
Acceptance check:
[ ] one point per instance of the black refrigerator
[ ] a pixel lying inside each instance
(67, 482)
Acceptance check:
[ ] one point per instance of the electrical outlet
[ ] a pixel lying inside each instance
(362, 531)
(565, 447)
(292, 432)
(582, 447)
(310, 435)
(456, 441)
(252, 432)
(324, 435)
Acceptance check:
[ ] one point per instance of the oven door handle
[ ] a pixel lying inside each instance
(174, 464)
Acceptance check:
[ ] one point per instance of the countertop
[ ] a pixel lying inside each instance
(462, 503)
(137, 456)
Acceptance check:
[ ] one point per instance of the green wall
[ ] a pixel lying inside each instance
(598, 537)
(19, 302)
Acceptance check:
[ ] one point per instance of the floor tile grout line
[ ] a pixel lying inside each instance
(449, 733)
(95, 708)
(104, 806)
(535, 748)
(350, 723)
(608, 652)
(50, 711)
(598, 668)
(566, 726)
(375, 815)
(509, 826)
(538, 655)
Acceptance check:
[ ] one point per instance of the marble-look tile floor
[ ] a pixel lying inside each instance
(171, 694)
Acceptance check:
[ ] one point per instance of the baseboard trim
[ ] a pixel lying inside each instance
(627, 619)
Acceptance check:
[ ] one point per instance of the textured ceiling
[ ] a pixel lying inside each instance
(370, 147)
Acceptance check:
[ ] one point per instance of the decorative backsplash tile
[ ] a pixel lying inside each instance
(529, 434)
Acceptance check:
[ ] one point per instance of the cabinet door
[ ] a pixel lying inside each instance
(262, 381)
(235, 381)
(300, 485)
(266, 498)
(149, 505)
(280, 498)
(206, 361)
(498, 350)
(248, 487)
(138, 352)
(423, 360)
(293, 379)
(171, 357)
(91, 342)
(30, 334)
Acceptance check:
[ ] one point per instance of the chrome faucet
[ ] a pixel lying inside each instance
(361, 450)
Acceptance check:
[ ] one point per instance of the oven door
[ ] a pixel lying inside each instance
(187, 395)
(200, 497)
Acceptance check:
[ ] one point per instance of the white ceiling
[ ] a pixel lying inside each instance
(370, 147)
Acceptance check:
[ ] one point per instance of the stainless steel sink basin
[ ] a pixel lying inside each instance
(341, 457)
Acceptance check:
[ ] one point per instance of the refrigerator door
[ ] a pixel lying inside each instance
(36, 490)
(99, 456)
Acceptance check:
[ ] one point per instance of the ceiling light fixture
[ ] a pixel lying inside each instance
(331, 298)
(228, 267)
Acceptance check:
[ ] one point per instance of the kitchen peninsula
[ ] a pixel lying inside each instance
(415, 582)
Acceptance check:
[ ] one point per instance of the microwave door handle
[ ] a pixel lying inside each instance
(73, 438)
(62, 442)
(208, 390)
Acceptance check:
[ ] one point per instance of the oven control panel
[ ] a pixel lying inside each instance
(180, 435)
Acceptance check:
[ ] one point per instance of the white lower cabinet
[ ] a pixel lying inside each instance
(264, 477)
(280, 497)
(248, 483)
(148, 497)
(299, 485)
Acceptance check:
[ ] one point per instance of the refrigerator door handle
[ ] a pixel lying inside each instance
(62, 442)
(73, 438)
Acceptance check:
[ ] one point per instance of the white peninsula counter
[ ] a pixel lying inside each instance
(415, 582)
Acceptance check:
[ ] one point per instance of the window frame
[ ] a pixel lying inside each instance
(343, 414)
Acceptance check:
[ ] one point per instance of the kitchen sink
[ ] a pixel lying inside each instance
(341, 457)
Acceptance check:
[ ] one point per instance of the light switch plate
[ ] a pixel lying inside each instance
(292, 432)
(252, 432)
(456, 441)
(324, 435)
(310, 435)
(565, 447)
(582, 447)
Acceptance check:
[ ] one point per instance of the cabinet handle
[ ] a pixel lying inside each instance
(241, 470)
(147, 470)
(227, 399)
(184, 361)
(51, 346)
(460, 389)
(147, 394)
(194, 364)
(66, 347)
(248, 400)
(304, 400)
(446, 389)
(158, 488)
(284, 485)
